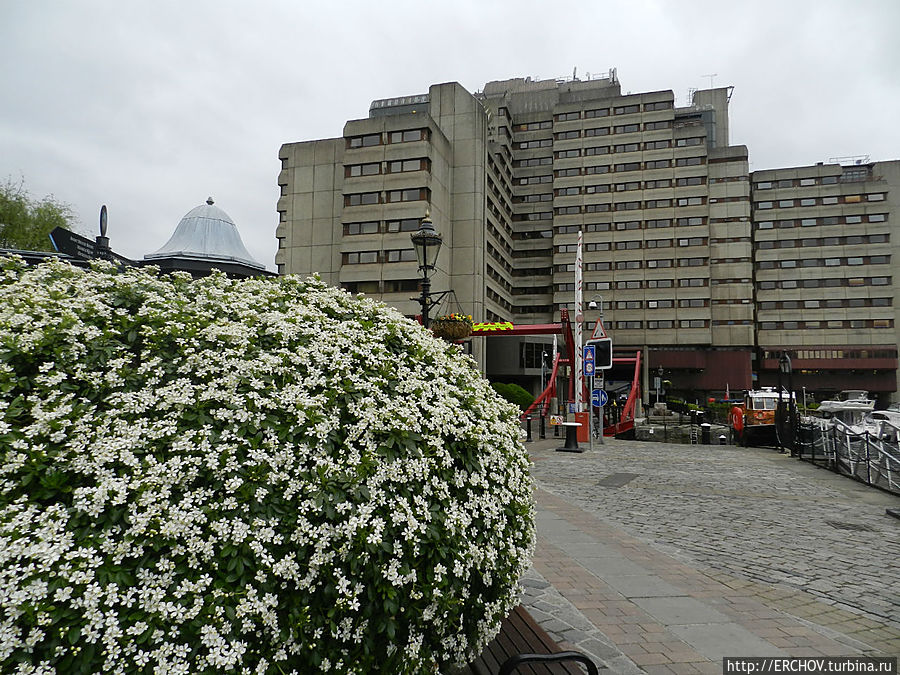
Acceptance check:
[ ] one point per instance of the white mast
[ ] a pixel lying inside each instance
(579, 320)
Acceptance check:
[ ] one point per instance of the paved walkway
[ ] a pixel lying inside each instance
(664, 558)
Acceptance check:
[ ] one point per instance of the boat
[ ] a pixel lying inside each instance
(753, 420)
(850, 407)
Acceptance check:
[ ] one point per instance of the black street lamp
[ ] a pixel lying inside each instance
(427, 243)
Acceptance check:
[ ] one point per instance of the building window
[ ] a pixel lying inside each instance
(694, 220)
(596, 208)
(410, 195)
(564, 192)
(604, 168)
(360, 257)
(362, 169)
(566, 135)
(563, 154)
(627, 245)
(765, 205)
(537, 143)
(362, 198)
(564, 117)
(364, 141)
(657, 105)
(657, 203)
(598, 112)
(692, 283)
(692, 323)
(691, 201)
(597, 131)
(408, 135)
(400, 255)
(660, 283)
(628, 225)
(628, 147)
(598, 246)
(785, 203)
(631, 185)
(685, 142)
(626, 128)
(407, 165)
(628, 206)
(658, 243)
(403, 225)
(628, 265)
(597, 150)
(628, 166)
(652, 126)
(626, 109)
(593, 189)
(661, 183)
(560, 173)
(692, 241)
(565, 210)
(659, 263)
(691, 262)
(533, 126)
(367, 227)
(692, 180)
(689, 161)
(660, 222)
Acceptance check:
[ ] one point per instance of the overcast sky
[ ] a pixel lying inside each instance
(152, 106)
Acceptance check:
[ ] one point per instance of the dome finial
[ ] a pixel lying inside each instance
(209, 200)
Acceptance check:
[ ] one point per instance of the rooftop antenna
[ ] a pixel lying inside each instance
(574, 70)
(711, 77)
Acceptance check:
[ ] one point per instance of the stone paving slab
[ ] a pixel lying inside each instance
(732, 539)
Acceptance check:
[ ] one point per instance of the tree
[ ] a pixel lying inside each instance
(26, 223)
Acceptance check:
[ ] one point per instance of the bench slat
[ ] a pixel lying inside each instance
(520, 634)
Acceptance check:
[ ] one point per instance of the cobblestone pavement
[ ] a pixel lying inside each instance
(673, 553)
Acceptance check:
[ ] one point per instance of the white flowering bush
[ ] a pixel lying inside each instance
(258, 476)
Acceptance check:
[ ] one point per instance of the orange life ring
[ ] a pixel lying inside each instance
(737, 419)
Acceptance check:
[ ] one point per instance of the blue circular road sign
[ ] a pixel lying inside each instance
(599, 398)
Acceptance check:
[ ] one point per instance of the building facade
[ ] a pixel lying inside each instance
(512, 174)
(825, 292)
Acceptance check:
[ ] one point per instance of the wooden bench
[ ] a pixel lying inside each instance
(522, 646)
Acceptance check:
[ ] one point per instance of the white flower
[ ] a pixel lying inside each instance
(222, 475)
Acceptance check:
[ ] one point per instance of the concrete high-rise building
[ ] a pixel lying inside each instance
(510, 175)
(825, 292)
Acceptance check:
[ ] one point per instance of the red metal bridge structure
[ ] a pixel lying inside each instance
(625, 422)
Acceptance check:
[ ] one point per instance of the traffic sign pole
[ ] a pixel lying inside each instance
(591, 417)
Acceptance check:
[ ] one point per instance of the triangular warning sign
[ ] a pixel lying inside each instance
(599, 331)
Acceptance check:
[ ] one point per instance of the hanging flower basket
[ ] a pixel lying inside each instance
(452, 327)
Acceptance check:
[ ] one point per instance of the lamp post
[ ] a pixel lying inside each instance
(427, 243)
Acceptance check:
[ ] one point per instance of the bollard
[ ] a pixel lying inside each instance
(529, 439)
(543, 427)
(571, 439)
(705, 435)
(722, 439)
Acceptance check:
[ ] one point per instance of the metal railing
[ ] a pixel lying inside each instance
(871, 455)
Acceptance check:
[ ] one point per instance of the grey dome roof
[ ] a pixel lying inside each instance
(206, 233)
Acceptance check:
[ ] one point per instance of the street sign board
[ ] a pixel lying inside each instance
(555, 420)
(602, 353)
(588, 361)
(599, 398)
(599, 331)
